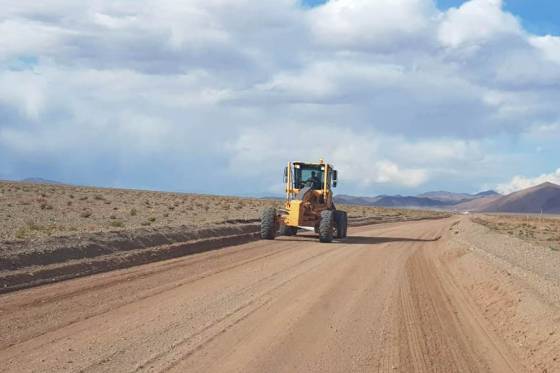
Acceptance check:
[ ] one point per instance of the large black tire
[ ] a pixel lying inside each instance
(286, 230)
(268, 223)
(326, 226)
(344, 224)
(341, 222)
(339, 231)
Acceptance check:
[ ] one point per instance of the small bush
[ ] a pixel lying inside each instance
(152, 219)
(116, 224)
(133, 212)
(21, 233)
(112, 217)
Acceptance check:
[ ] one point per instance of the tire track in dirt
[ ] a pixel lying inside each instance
(380, 301)
(125, 278)
(231, 318)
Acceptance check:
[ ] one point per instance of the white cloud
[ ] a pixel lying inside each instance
(366, 159)
(441, 151)
(475, 23)
(548, 45)
(24, 37)
(25, 91)
(522, 182)
(371, 24)
(396, 93)
(389, 172)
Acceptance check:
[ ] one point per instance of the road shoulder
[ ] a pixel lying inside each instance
(507, 279)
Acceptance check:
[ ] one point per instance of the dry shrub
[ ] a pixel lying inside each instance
(116, 224)
(85, 214)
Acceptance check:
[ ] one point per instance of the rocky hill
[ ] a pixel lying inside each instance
(543, 198)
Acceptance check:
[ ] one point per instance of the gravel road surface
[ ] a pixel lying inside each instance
(381, 301)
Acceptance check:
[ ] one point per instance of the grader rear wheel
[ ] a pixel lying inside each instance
(341, 223)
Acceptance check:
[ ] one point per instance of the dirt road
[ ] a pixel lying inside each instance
(382, 301)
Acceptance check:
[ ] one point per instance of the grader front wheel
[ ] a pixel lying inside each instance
(326, 226)
(268, 223)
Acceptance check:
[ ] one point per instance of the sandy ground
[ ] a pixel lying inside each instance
(402, 297)
(36, 211)
(543, 230)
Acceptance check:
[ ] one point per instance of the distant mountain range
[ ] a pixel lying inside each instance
(38, 180)
(543, 198)
(437, 199)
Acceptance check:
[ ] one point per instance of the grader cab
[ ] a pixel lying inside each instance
(309, 204)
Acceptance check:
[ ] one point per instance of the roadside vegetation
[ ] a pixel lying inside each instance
(541, 230)
(33, 211)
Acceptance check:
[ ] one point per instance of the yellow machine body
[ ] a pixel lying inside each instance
(308, 192)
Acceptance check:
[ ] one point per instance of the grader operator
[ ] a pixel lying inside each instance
(309, 204)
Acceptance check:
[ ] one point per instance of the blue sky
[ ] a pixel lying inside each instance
(215, 96)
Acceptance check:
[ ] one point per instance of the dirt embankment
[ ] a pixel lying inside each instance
(25, 264)
(515, 283)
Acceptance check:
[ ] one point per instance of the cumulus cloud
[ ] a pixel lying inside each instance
(398, 94)
(548, 45)
(364, 24)
(475, 23)
(523, 182)
(389, 172)
(367, 160)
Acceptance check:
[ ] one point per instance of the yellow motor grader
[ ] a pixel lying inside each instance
(309, 204)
